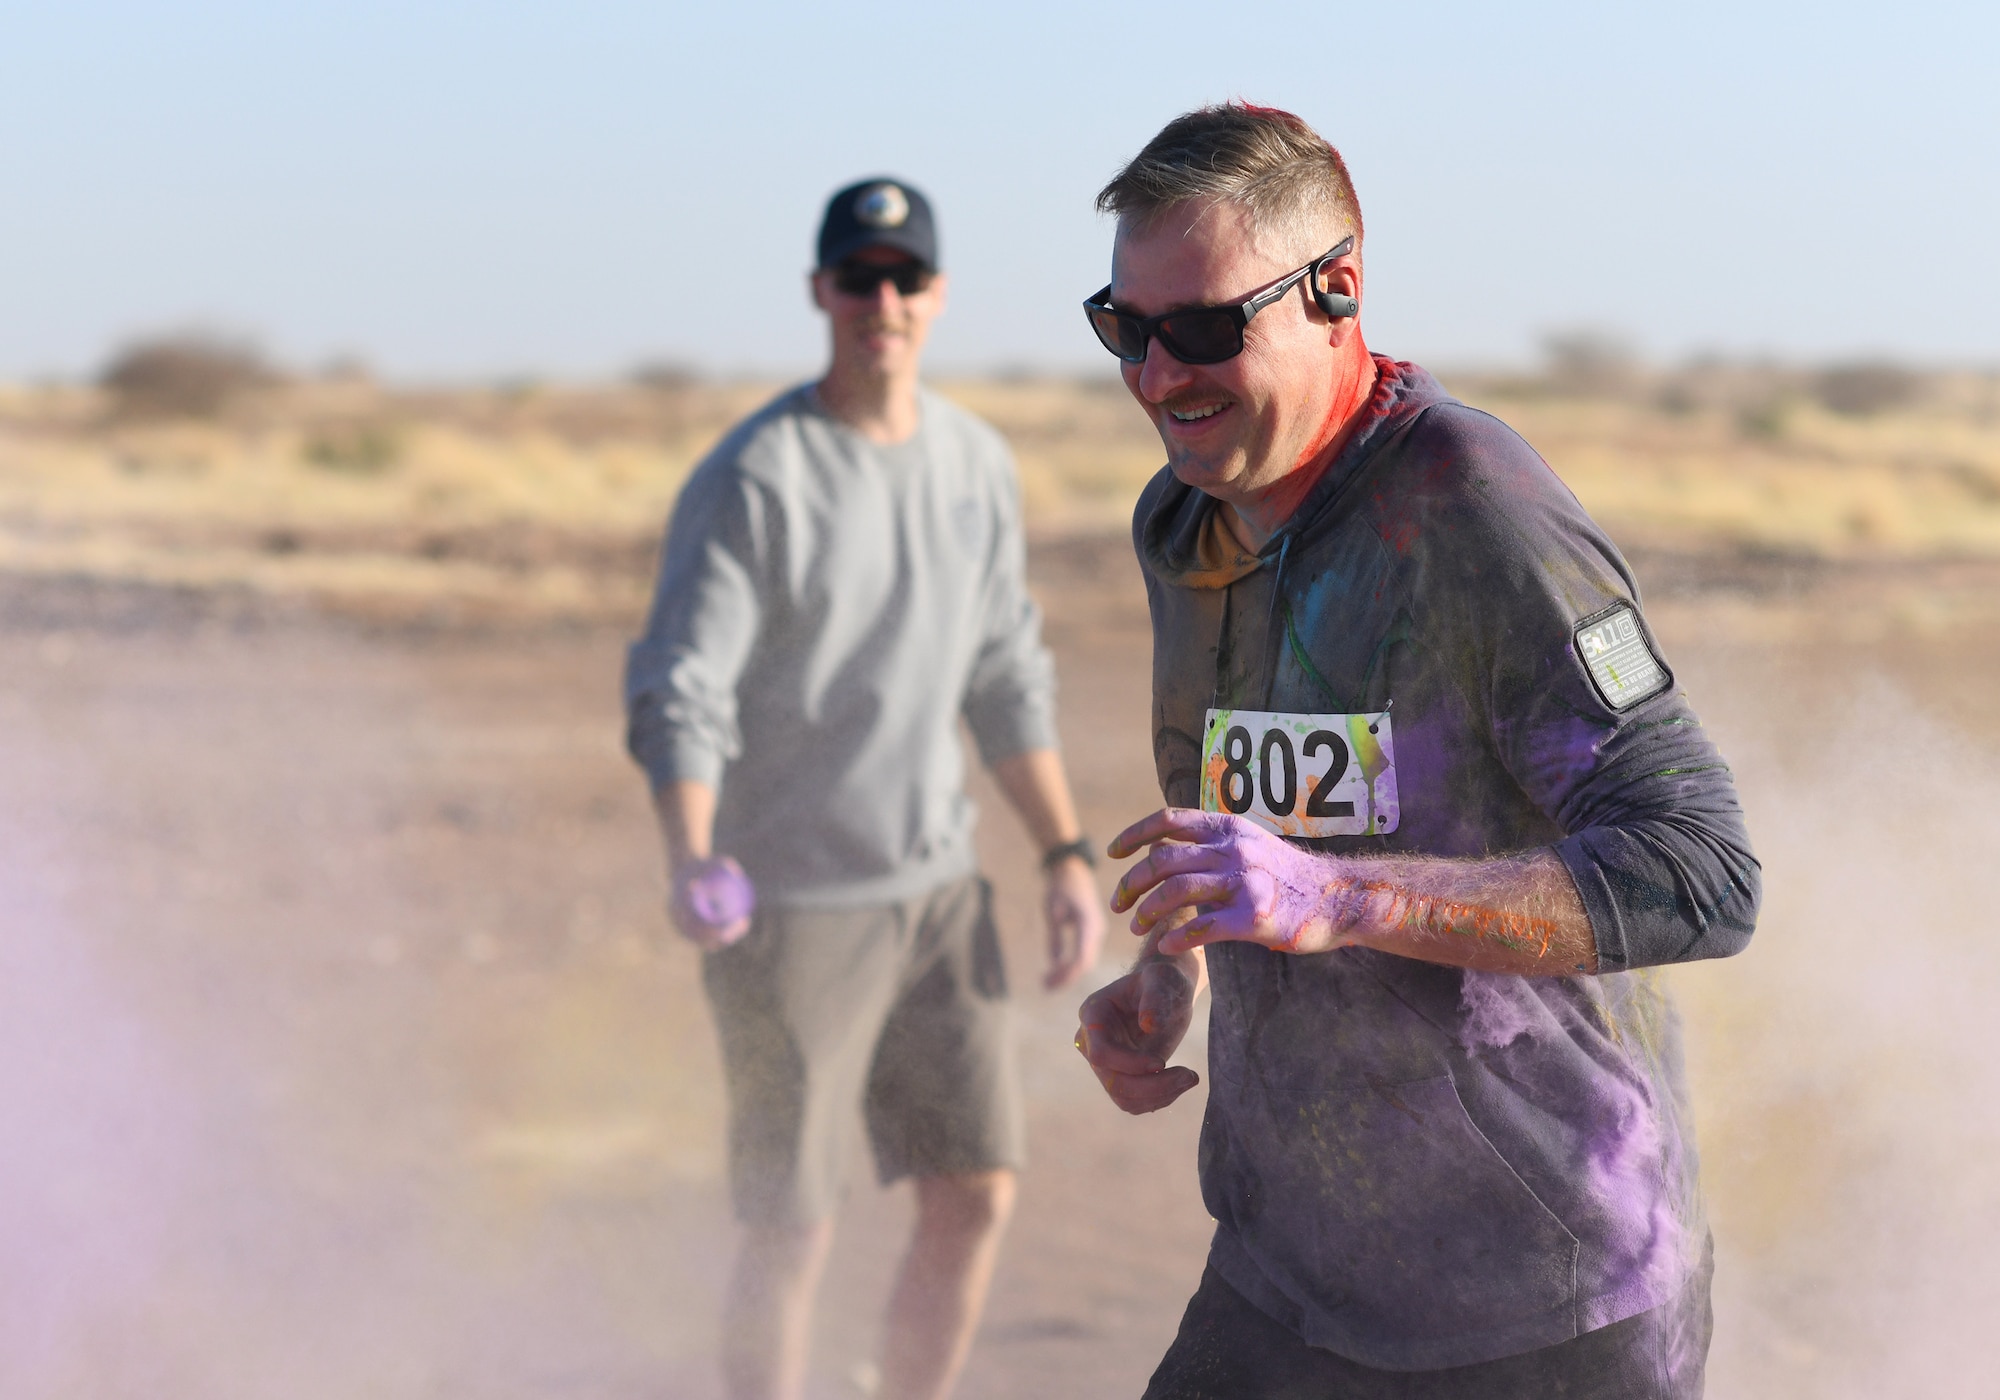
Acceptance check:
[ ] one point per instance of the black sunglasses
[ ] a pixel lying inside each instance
(859, 279)
(1196, 335)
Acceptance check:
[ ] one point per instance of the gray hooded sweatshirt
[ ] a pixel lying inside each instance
(1411, 1165)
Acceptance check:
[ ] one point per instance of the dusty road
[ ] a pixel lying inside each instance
(342, 1053)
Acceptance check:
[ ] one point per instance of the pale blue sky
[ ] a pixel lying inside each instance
(481, 189)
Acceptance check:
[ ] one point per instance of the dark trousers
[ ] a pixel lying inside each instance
(1229, 1350)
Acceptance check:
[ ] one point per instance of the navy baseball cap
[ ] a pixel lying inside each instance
(878, 213)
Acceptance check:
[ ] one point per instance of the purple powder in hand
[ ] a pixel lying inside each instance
(721, 894)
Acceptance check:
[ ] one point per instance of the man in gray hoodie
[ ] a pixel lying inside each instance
(842, 586)
(1435, 802)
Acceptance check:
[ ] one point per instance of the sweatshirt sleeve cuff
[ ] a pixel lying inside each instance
(1011, 731)
(671, 756)
(1600, 902)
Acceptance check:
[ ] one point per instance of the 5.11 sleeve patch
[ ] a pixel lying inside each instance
(1619, 655)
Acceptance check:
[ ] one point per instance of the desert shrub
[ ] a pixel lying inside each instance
(355, 449)
(667, 376)
(1676, 398)
(515, 390)
(1589, 363)
(183, 376)
(1862, 389)
(1766, 419)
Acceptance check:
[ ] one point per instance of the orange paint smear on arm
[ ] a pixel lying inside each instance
(1431, 914)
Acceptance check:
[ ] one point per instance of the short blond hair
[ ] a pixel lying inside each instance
(1287, 177)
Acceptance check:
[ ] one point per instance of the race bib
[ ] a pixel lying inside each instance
(1301, 775)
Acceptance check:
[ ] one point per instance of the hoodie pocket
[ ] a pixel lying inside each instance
(1385, 1210)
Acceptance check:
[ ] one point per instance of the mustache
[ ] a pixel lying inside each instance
(1187, 401)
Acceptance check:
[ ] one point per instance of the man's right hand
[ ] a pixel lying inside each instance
(1133, 1025)
(712, 901)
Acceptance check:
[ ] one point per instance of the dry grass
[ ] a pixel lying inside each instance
(1784, 473)
(548, 499)
(535, 499)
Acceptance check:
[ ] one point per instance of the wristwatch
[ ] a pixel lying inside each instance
(1083, 848)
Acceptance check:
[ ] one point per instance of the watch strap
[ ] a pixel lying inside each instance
(1083, 848)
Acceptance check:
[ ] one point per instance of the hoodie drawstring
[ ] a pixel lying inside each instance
(1272, 646)
(1273, 649)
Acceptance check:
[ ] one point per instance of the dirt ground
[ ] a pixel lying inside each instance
(343, 1052)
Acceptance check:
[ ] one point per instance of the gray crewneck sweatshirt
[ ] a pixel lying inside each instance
(827, 609)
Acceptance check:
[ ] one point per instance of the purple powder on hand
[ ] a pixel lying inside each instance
(721, 894)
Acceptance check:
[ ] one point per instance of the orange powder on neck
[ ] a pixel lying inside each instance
(1356, 381)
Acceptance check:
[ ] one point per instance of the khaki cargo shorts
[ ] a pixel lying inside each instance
(894, 1014)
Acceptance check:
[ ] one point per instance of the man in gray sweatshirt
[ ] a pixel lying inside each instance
(842, 585)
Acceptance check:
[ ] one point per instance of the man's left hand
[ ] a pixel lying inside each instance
(1241, 882)
(1071, 908)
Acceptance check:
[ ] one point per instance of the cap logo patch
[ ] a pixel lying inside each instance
(882, 206)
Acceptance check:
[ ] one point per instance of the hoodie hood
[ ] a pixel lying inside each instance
(1183, 538)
